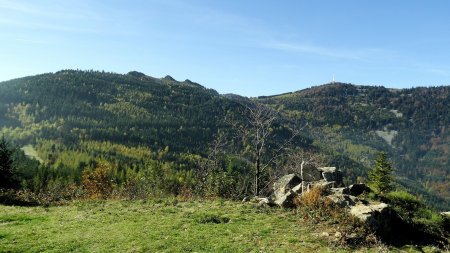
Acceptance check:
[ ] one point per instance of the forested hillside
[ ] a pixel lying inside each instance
(141, 127)
(145, 127)
(412, 125)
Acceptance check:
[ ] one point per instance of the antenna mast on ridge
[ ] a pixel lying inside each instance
(333, 79)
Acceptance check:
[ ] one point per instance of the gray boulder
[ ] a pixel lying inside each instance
(287, 200)
(338, 190)
(343, 200)
(330, 174)
(285, 184)
(310, 173)
(378, 216)
(322, 184)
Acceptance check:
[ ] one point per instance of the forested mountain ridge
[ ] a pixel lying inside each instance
(72, 117)
(412, 125)
(121, 104)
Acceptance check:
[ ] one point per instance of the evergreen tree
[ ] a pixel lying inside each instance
(380, 177)
(6, 166)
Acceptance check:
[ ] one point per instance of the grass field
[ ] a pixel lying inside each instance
(158, 226)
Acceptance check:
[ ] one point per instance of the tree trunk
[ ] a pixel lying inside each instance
(258, 171)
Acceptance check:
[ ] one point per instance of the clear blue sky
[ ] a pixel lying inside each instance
(252, 47)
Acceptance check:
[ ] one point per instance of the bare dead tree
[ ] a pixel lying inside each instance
(256, 130)
(298, 159)
(209, 167)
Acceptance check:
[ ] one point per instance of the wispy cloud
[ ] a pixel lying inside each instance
(434, 69)
(299, 48)
(45, 26)
(438, 71)
(32, 41)
(51, 9)
(52, 15)
(256, 33)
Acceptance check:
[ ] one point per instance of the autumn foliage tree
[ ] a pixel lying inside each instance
(98, 183)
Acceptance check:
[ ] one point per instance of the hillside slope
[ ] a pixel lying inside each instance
(412, 125)
(69, 118)
(129, 109)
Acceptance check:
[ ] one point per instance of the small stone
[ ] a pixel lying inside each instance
(338, 234)
(246, 199)
(265, 202)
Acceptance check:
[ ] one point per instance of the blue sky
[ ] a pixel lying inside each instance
(251, 47)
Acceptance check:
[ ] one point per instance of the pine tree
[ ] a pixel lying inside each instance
(7, 180)
(380, 177)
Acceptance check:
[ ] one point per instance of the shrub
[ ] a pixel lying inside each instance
(404, 202)
(18, 198)
(98, 183)
(205, 218)
(423, 225)
(312, 198)
(313, 206)
(137, 187)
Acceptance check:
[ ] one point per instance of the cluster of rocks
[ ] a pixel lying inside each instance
(289, 187)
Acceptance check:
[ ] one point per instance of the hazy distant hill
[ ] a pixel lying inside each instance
(70, 116)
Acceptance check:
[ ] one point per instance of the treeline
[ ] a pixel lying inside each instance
(106, 170)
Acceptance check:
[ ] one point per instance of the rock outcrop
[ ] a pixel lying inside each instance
(376, 215)
(288, 187)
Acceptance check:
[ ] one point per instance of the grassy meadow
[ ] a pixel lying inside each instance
(165, 225)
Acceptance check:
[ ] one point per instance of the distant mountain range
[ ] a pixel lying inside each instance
(75, 111)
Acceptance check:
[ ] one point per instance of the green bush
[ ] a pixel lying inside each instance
(429, 226)
(405, 203)
(205, 218)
